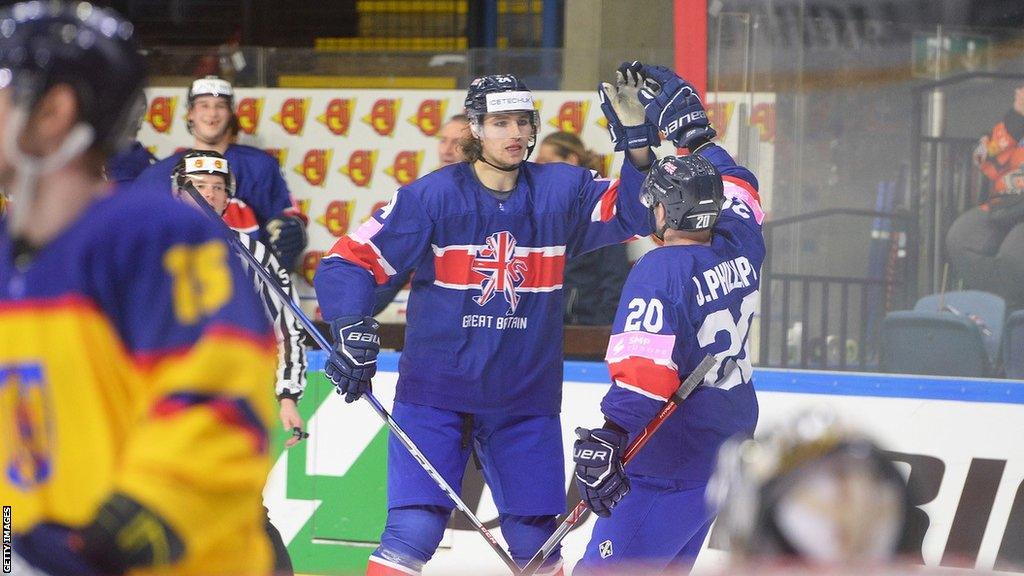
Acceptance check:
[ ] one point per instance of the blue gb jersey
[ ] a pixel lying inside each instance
(261, 187)
(484, 327)
(679, 304)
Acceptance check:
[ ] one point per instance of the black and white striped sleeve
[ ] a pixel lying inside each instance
(291, 362)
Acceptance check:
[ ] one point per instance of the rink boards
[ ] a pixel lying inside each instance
(959, 440)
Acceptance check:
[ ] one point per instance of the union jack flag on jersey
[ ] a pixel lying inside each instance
(502, 271)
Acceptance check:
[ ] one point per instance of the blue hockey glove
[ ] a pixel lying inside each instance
(353, 362)
(48, 548)
(673, 105)
(599, 476)
(622, 109)
(287, 236)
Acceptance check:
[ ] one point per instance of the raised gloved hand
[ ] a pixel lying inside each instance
(353, 362)
(673, 105)
(627, 123)
(287, 236)
(599, 476)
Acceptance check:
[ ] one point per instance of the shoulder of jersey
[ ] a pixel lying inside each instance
(246, 151)
(135, 213)
(552, 169)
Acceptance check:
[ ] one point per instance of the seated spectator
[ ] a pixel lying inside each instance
(986, 244)
(593, 281)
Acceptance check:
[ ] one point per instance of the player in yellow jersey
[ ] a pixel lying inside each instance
(135, 356)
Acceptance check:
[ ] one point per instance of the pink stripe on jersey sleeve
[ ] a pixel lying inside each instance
(367, 230)
(657, 347)
(740, 189)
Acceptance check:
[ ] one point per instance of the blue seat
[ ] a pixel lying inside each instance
(1013, 346)
(933, 343)
(985, 305)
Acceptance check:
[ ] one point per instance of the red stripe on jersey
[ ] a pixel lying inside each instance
(362, 255)
(746, 186)
(608, 200)
(644, 374)
(542, 271)
(240, 216)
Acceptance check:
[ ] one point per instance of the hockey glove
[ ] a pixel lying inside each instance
(673, 105)
(49, 549)
(353, 362)
(287, 236)
(622, 109)
(112, 544)
(599, 476)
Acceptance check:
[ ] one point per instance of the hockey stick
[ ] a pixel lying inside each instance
(667, 409)
(417, 455)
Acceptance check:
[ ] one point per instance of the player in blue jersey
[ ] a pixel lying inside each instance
(263, 204)
(134, 355)
(695, 295)
(125, 166)
(482, 364)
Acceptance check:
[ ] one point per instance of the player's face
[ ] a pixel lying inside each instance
(210, 116)
(212, 188)
(448, 141)
(505, 137)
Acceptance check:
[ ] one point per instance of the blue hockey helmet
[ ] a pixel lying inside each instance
(689, 187)
(90, 49)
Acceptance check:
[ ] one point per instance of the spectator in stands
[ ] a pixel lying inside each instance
(593, 281)
(986, 244)
(448, 152)
(454, 130)
(809, 496)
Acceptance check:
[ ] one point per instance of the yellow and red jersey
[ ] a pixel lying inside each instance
(136, 358)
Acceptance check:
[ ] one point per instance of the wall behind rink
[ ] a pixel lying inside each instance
(958, 441)
(344, 153)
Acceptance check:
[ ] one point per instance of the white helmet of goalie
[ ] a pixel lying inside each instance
(810, 491)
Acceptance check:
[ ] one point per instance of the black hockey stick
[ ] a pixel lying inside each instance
(417, 455)
(670, 405)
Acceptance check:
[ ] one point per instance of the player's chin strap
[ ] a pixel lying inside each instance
(30, 168)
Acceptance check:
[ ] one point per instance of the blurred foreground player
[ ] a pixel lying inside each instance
(133, 364)
(482, 364)
(695, 295)
(810, 496)
(209, 173)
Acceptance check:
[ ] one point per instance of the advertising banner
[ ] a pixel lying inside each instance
(957, 440)
(343, 153)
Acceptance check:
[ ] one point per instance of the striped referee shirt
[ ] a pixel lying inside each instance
(291, 355)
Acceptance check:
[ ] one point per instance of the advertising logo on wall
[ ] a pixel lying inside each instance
(345, 152)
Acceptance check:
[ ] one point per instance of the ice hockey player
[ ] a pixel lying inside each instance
(134, 354)
(693, 296)
(267, 212)
(482, 364)
(809, 496)
(210, 174)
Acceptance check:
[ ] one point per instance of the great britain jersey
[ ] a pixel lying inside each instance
(484, 318)
(679, 303)
(135, 358)
(261, 188)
